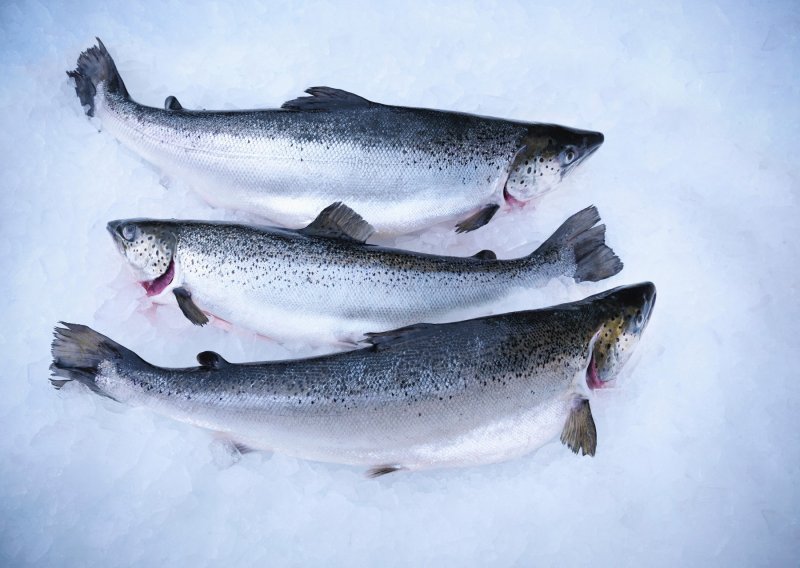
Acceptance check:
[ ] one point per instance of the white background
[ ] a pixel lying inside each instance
(698, 458)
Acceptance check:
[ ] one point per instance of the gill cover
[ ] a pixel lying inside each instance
(149, 247)
(628, 312)
(547, 154)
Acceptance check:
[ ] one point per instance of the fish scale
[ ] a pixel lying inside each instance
(437, 395)
(402, 168)
(301, 285)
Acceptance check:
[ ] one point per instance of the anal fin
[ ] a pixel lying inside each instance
(479, 219)
(189, 308)
(579, 433)
(382, 470)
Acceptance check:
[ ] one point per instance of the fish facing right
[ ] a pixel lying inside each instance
(402, 168)
(425, 396)
(323, 284)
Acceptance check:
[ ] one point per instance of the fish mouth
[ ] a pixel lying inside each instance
(156, 286)
(593, 141)
(113, 228)
(591, 149)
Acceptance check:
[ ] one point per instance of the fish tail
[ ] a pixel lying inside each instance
(78, 354)
(580, 237)
(95, 66)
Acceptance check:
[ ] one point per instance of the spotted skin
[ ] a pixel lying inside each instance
(291, 286)
(447, 395)
(149, 252)
(401, 168)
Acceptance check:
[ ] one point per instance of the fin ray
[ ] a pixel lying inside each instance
(325, 99)
(382, 470)
(579, 433)
(393, 338)
(78, 351)
(584, 242)
(479, 219)
(189, 308)
(96, 66)
(171, 103)
(338, 221)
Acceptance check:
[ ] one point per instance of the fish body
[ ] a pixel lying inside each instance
(402, 168)
(323, 284)
(424, 396)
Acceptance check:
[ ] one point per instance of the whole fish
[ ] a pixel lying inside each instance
(402, 168)
(323, 284)
(425, 396)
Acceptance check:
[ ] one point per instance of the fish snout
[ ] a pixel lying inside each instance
(649, 291)
(592, 141)
(114, 227)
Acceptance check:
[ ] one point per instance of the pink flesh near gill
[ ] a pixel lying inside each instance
(155, 287)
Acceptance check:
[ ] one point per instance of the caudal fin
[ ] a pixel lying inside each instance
(78, 352)
(95, 66)
(581, 237)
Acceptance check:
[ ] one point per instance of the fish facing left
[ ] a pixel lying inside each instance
(322, 284)
(425, 396)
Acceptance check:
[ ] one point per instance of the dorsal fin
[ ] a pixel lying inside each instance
(485, 255)
(338, 221)
(211, 360)
(396, 337)
(325, 99)
(171, 103)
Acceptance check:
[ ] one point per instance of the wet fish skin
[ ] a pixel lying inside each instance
(292, 285)
(426, 396)
(402, 168)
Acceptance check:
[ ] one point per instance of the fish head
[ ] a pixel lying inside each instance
(548, 153)
(626, 312)
(149, 247)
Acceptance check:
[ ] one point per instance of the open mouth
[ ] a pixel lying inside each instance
(155, 287)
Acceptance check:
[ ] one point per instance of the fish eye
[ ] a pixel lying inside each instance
(569, 156)
(128, 232)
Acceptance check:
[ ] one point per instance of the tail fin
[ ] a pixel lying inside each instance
(594, 260)
(78, 352)
(94, 67)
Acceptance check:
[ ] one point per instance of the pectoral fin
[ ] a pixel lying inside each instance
(479, 219)
(579, 433)
(189, 308)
